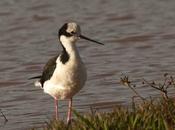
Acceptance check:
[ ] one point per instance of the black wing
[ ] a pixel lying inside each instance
(51, 65)
(35, 77)
(48, 70)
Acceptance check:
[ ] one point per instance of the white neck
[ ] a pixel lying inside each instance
(69, 46)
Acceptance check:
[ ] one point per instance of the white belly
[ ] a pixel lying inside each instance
(67, 79)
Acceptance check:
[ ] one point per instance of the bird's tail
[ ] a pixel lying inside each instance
(35, 77)
(37, 83)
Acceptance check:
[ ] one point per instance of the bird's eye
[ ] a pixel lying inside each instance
(72, 32)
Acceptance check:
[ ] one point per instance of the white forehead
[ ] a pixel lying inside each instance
(73, 27)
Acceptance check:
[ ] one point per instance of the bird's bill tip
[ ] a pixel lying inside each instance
(86, 38)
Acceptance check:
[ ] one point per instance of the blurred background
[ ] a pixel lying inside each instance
(139, 38)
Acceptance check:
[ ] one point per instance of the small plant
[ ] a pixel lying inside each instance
(168, 82)
(3, 116)
(125, 81)
(5, 119)
(162, 87)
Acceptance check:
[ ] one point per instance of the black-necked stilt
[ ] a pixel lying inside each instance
(65, 74)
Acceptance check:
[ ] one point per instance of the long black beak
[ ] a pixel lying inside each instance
(86, 38)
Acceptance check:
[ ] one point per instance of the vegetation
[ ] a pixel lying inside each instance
(146, 114)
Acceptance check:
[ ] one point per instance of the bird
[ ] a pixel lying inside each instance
(65, 74)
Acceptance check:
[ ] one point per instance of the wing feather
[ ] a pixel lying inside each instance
(48, 70)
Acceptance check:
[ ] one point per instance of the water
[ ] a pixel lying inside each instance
(139, 39)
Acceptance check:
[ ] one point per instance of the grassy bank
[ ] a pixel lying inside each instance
(148, 114)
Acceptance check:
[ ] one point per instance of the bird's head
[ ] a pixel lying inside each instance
(71, 32)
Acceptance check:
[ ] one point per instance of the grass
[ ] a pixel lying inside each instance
(148, 114)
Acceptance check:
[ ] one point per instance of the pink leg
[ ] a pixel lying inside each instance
(56, 109)
(69, 115)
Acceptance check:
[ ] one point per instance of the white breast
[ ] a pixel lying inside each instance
(67, 78)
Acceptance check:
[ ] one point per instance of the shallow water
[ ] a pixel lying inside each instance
(139, 39)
